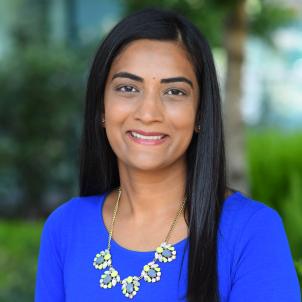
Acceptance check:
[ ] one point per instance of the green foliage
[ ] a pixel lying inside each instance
(262, 17)
(18, 260)
(269, 17)
(273, 158)
(292, 213)
(298, 265)
(41, 96)
(275, 172)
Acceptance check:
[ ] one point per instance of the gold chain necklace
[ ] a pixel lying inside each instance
(151, 272)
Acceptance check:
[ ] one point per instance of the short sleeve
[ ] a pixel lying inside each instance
(263, 268)
(49, 278)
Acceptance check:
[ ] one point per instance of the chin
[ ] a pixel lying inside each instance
(145, 165)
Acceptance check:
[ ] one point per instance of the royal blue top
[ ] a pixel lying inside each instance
(254, 258)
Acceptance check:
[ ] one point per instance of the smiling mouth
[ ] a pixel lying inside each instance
(147, 137)
(150, 139)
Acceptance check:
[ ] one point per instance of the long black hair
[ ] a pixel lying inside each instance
(206, 177)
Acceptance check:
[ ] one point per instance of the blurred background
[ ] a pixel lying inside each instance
(46, 49)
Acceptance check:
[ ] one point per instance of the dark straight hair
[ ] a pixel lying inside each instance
(206, 177)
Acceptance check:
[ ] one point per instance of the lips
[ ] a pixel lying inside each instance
(147, 138)
(141, 132)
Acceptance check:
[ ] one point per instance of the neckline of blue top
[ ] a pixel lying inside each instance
(178, 245)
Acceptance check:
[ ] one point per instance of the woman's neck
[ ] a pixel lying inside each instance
(150, 194)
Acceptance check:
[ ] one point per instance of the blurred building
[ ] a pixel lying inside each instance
(83, 21)
(75, 22)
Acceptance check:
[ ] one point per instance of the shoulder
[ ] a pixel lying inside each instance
(253, 232)
(72, 220)
(242, 217)
(240, 210)
(74, 209)
(259, 256)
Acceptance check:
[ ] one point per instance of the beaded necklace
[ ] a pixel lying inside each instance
(151, 272)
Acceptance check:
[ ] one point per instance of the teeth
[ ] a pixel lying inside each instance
(146, 137)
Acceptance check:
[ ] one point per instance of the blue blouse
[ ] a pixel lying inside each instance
(254, 258)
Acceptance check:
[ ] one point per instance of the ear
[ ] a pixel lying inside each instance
(197, 128)
(197, 123)
(103, 120)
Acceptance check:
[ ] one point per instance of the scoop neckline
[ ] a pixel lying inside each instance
(118, 246)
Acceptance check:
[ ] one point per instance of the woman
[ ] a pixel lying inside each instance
(153, 197)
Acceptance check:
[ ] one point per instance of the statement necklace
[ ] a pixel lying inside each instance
(151, 272)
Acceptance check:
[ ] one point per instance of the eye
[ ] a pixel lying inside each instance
(126, 89)
(176, 92)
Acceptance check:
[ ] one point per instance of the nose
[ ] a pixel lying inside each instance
(149, 108)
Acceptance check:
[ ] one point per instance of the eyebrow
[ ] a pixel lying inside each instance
(177, 79)
(134, 77)
(128, 76)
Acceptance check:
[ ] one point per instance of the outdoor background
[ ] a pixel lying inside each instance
(46, 48)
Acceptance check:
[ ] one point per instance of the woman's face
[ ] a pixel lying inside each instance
(151, 99)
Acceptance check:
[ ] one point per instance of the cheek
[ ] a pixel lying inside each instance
(115, 108)
(182, 117)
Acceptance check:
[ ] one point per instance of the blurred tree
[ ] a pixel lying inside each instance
(32, 24)
(234, 38)
(41, 91)
(42, 88)
(226, 24)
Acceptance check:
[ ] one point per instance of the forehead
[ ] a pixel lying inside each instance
(152, 57)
